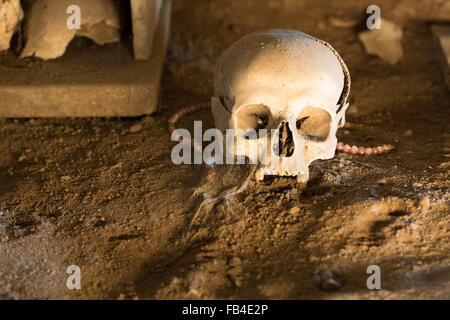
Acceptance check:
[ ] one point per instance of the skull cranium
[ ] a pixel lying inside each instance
(287, 82)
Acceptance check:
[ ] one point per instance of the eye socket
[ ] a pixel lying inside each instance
(252, 118)
(314, 124)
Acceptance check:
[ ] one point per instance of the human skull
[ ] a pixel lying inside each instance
(289, 83)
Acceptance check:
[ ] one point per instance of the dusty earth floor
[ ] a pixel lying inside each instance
(103, 194)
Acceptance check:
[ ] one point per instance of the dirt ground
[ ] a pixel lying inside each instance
(103, 194)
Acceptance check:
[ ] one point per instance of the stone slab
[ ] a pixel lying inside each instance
(91, 82)
(145, 16)
(442, 33)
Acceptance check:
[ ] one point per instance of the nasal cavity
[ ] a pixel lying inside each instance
(285, 147)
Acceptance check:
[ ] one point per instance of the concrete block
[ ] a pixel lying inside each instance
(98, 82)
(46, 28)
(144, 16)
(442, 34)
(11, 14)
